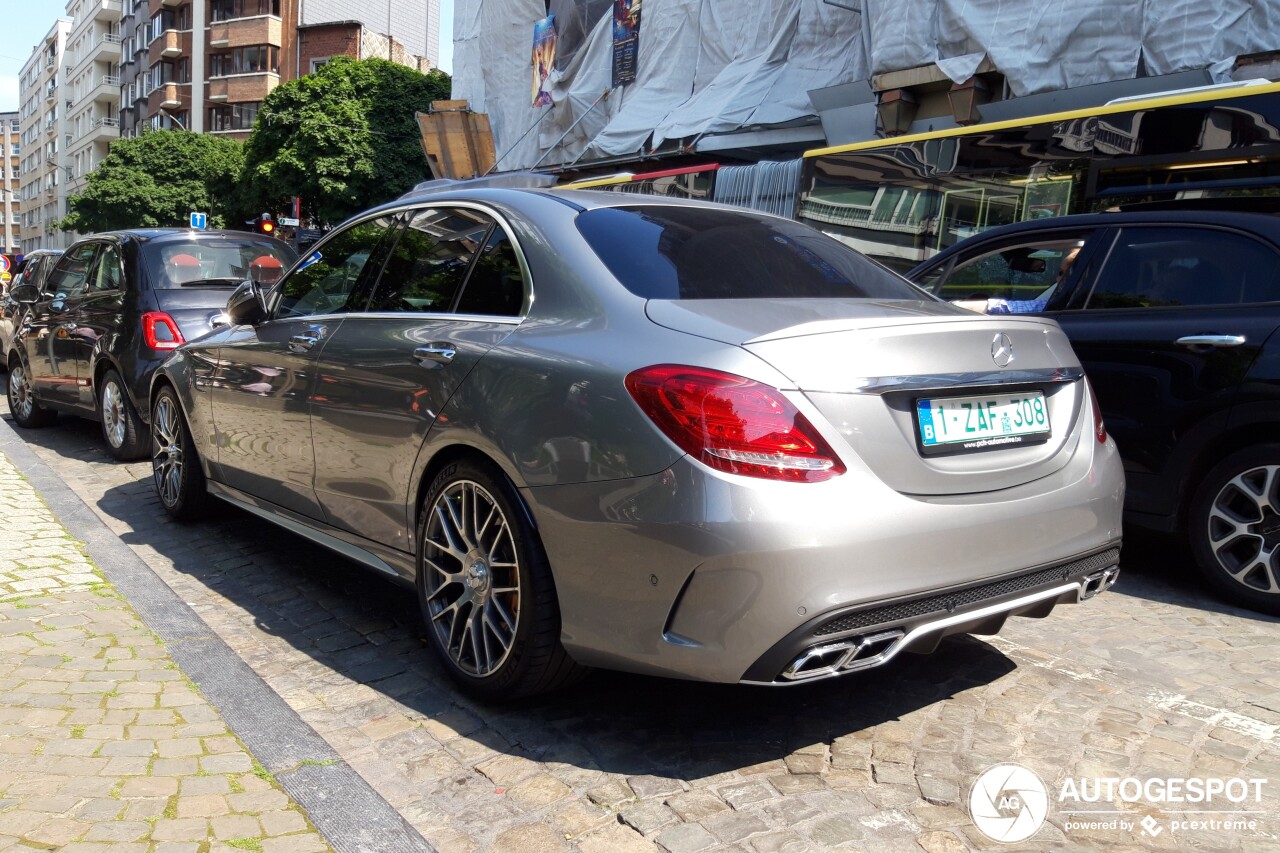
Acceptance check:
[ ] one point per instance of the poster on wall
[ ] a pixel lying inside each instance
(626, 40)
(544, 58)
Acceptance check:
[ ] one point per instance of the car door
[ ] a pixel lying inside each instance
(1166, 323)
(261, 390)
(452, 288)
(91, 316)
(46, 334)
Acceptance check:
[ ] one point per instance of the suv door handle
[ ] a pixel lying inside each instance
(434, 354)
(1210, 340)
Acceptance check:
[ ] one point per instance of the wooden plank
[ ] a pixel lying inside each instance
(458, 143)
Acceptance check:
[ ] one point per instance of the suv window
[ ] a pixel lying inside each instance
(678, 252)
(327, 282)
(69, 276)
(1169, 266)
(429, 263)
(1026, 272)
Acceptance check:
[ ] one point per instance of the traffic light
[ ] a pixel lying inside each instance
(266, 225)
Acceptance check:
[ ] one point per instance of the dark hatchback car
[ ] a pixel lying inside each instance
(1173, 315)
(33, 269)
(111, 309)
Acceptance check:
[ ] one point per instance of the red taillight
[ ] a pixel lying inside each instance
(733, 424)
(1099, 426)
(160, 332)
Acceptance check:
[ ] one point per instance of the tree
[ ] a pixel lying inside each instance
(341, 139)
(156, 180)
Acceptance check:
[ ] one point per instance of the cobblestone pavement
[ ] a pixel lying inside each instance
(1149, 680)
(104, 744)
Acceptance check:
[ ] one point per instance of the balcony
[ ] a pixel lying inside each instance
(166, 96)
(103, 10)
(170, 44)
(241, 87)
(104, 129)
(243, 32)
(171, 4)
(105, 87)
(105, 49)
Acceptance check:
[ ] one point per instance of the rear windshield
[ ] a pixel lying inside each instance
(678, 252)
(215, 262)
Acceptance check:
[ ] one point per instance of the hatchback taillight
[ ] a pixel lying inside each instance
(733, 424)
(1099, 426)
(160, 332)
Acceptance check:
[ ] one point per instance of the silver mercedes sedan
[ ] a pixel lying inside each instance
(610, 430)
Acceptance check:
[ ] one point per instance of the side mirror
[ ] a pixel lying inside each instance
(247, 306)
(25, 294)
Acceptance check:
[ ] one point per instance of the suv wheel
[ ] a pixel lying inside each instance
(26, 410)
(485, 587)
(121, 427)
(1235, 528)
(175, 465)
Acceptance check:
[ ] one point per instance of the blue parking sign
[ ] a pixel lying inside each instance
(199, 220)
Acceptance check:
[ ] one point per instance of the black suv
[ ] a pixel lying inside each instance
(1173, 315)
(115, 306)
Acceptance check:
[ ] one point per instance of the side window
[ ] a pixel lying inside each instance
(1026, 272)
(71, 274)
(429, 263)
(328, 282)
(496, 286)
(1164, 267)
(107, 274)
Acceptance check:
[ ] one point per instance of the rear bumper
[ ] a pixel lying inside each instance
(694, 574)
(854, 639)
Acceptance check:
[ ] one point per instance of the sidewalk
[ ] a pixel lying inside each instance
(104, 744)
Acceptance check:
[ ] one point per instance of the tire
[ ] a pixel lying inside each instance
(175, 463)
(1234, 528)
(485, 587)
(26, 410)
(122, 429)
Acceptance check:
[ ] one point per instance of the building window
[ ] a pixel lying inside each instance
(318, 63)
(256, 59)
(233, 116)
(224, 10)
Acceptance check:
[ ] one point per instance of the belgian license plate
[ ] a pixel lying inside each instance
(989, 422)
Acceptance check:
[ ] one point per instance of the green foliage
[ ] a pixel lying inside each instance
(342, 139)
(156, 180)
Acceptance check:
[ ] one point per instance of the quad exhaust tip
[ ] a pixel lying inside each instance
(857, 653)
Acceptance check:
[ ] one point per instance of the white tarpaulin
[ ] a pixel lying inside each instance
(716, 66)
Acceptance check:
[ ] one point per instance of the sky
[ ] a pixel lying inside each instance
(24, 29)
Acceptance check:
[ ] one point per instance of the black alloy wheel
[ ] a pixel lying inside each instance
(485, 587)
(1234, 528)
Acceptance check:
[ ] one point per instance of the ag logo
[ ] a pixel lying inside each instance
(1008, 803)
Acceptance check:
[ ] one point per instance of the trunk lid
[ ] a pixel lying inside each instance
(865, 365)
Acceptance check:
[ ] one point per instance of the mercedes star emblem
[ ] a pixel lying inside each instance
(1002, 350)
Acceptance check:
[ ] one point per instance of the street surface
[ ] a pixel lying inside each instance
(1151, 680)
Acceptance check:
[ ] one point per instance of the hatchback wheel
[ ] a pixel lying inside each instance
(26, 410)
(485, 588)
(175, 465)
(121, 427)
(1235, 528)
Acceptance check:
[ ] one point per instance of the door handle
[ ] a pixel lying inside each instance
(303, 343)
(434, 354)
(1210, 340)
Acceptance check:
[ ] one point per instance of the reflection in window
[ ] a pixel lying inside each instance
(327, 284)
(429, 263)
(495, 287)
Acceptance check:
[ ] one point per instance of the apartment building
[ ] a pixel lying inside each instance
(92, 100)
(207, 65)
(10, 203)
(42, 96)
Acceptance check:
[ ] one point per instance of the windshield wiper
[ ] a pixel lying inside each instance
(200, 282)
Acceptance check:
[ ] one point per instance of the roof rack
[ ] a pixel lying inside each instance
(510, 180)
